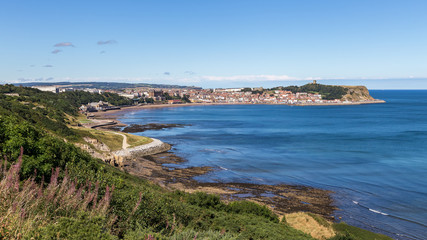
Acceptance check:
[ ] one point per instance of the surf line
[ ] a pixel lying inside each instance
(386, 214)
(370, 209)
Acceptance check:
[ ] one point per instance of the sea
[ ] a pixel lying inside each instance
(373, 157)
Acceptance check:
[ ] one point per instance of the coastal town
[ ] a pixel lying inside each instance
(196, 95)
(229, 95)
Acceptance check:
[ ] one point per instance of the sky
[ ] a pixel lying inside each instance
(223, 43)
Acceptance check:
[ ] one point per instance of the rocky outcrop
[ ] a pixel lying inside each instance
(357, 94)
(97, 144)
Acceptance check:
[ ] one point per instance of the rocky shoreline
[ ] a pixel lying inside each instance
(133, 128)
(282, 199)
(147, 161)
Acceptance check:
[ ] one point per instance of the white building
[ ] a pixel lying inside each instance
(53, 89)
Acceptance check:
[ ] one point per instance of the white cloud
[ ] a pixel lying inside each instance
(64, 44)
(40, 79)
(56, 51)
(106, 79)
(250, 78)
(22, 80)
(106, 42)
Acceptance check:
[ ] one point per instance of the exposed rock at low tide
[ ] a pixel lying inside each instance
(281, 199)
(133, 128)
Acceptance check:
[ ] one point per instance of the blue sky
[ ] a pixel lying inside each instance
(221, 43)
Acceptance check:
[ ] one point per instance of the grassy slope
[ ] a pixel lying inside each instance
(82, 119)
(113, 141)
(356, 233)
(134, 140)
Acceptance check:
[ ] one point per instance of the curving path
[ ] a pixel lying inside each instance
(125, 144)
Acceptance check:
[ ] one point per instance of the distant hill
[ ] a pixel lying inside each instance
(328, 92)
(104, 85)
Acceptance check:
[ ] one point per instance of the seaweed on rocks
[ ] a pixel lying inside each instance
(133, 128)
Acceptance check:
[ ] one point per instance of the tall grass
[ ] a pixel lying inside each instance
(40, 210)
(27, 206)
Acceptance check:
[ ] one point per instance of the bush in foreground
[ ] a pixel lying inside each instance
(28, 207)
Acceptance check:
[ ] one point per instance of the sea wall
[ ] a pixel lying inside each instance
(156, 146)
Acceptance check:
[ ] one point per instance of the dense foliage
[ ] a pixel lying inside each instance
(328, 92)
(68, 102)
(28, 210)
(183, 99)
(49, 110)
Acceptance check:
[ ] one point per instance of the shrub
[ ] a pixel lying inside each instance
(186, 234)
(28, 206)
(342, 237)
(205, 200)
(83, 227)
(253, 208)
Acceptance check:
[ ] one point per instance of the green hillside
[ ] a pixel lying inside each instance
(328, 92)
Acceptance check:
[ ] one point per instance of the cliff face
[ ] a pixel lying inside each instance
(357, 93)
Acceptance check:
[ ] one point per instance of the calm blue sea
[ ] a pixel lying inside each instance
(373, 156)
